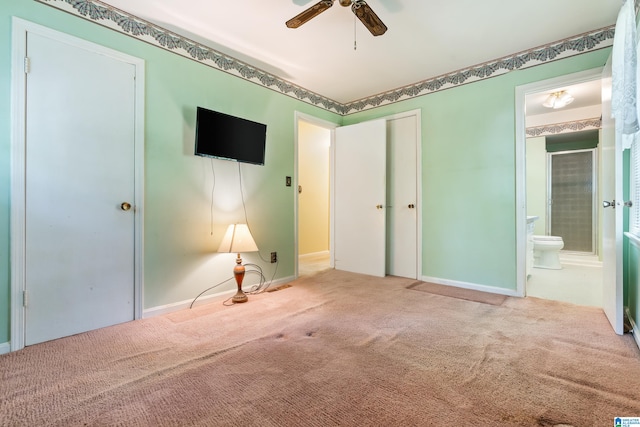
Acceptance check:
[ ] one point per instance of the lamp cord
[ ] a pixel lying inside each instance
(213, 187)
(244, 207)
(261, 287)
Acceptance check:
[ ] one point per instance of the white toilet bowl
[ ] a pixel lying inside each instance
(546, 252)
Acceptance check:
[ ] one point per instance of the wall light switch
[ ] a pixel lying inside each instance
(288, 181)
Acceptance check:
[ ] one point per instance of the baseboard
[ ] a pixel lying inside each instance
(634, 328)
(472, 286)
(5, 348)
(181, 305)
(313, 254)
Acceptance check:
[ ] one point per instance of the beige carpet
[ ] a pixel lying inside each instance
(334, 349)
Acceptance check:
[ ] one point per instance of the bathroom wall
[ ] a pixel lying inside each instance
(537, 182)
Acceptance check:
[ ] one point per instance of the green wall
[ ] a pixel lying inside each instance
(468, 168)
(178, 243)
(468, 163)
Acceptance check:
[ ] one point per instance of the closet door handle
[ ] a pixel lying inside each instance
(412, 206)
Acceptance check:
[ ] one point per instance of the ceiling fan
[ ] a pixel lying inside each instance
(359, 7)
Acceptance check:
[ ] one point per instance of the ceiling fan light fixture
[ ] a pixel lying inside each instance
(558, 100)
(360, 9)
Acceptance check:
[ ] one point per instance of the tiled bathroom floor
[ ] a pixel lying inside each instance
(579, 281)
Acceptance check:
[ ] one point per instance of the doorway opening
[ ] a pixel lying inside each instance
(558, 188)
(314, 148)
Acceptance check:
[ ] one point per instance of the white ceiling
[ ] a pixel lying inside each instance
(426, 38)
(585, 95)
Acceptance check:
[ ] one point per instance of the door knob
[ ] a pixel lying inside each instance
(411, 206)
(379, 206)
(628, 203)
(125, 206)
(611, 204)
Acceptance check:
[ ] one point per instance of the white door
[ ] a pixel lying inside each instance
(360, 198)
(612, 215)
(79, 244)
(402, 233)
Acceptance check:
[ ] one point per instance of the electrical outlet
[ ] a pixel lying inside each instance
(274, 257)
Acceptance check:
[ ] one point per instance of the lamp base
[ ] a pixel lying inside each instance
(239, 297)
(238, 272)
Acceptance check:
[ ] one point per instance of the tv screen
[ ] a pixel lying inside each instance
(227, 137)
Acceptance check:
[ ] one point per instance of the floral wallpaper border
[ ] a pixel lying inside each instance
(566, 127)
(118, 20)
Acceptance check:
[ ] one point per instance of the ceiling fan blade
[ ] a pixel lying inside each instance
(369, 18)
(310, 13)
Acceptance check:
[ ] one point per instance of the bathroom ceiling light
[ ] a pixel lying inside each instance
(558, 100)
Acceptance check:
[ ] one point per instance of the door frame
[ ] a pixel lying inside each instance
(298, 117)
(20, 28)
(332, 126)
(520, 151)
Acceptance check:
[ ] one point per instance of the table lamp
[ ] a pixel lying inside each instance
(238, 239)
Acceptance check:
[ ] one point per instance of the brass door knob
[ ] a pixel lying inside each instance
(379, 206)
(125, 206)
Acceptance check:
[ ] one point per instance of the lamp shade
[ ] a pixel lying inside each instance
(238, 239)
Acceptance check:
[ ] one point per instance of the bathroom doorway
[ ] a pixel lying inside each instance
(561, 188)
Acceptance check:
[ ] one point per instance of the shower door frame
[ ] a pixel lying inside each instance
(594, 196)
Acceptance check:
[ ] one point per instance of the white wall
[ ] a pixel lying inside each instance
(537, 182)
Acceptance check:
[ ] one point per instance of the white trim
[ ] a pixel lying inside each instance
(18, 190)
(635, 241)
(520, 141)
(20, 28)
(5, 347)
(184, 305)
(297, 117)
(314, 254)
(635, 331)
(471, 286)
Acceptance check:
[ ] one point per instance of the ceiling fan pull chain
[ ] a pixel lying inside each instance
(355, 43)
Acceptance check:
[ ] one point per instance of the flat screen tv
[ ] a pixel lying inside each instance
(227, 137)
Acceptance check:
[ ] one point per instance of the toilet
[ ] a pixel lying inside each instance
(546, 252)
